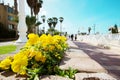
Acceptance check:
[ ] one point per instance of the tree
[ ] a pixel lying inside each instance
(38, 5)
(35, 6)
(52, 23)
(61, 19)
(31, 4)
(116, 28)
(31, 23)
(113, 29)
(55, 21)
(56, 32)
(89, 29)
(49, 21)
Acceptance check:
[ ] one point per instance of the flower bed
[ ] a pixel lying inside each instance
(40, 56)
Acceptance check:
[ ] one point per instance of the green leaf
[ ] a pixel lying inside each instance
(36, 77)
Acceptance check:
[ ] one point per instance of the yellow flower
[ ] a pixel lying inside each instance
(19, 64)
(43, 59)
(51, 48)
(5, 64)
(33, 38)
(59, 47)
(32, 53)
(38, 56)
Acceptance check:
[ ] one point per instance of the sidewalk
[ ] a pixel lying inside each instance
(77, 58)
(6, 43)
(97, 59)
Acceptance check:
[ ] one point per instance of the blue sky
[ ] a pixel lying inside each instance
(81, 14)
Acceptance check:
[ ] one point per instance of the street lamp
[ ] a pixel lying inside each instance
(94, 28)
(61, 20)
(43, 19)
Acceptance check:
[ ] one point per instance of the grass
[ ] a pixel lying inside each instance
(7, 49)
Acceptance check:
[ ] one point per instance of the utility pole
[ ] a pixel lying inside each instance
(94, 28)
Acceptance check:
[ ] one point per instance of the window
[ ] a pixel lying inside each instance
(10, 26)
(10, 10)
(10, 18)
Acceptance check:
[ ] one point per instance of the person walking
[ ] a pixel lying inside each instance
(72, 36)
(75, 37)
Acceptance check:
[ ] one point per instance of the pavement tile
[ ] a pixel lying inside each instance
(52, 77)
(82, 64)
(104, 59)
(78, 54)
(101, 76)
(8, 75)
(112, 67)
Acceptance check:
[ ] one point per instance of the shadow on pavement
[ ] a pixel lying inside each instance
(111, 62)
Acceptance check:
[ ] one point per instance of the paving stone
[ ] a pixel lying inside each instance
(104, 59)
(113, 67)
(76, 53)
(82, 64)
(71, 44)
(10, 76)
(52, 77)
(101, 76)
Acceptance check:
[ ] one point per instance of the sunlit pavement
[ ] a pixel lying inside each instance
(6, 43)
(86, 58)
(109, 59)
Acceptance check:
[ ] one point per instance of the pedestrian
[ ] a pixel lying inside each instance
(72, 36)
(69, 36)
(75, 37)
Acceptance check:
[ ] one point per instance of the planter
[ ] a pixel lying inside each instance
(40, 56)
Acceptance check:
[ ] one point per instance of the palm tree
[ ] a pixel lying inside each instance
(61, 19)
(43, 18)
(31, 23)
(116, 28)
(49, 21)
(52, 23)
(31, 4)
(35, 6)
(38, 5)
(113, 29)
(55, 21)
(89, 30)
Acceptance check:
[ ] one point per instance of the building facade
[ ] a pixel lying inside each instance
(8, 21)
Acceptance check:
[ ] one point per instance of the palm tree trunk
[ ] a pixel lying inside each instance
(31, 11)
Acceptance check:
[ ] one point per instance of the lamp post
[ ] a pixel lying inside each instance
(94, 28)
(61, 20)
(22, 28)
(43, 19)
